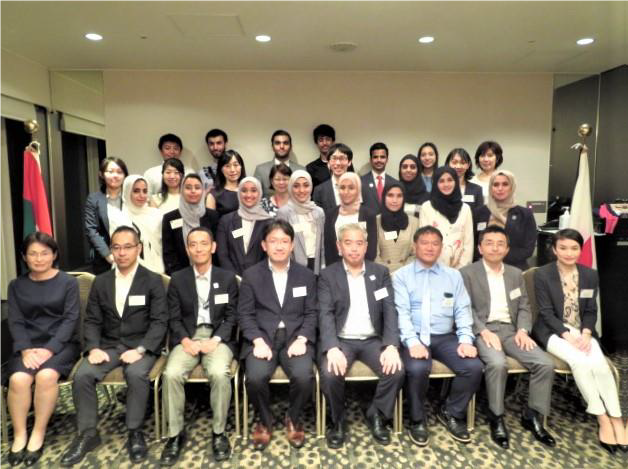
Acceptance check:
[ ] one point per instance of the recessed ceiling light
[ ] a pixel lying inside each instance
(93, 37)
(585, 41)
(262, 38)
(426, 39)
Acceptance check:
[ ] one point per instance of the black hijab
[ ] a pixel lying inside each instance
(448, 205)
(393, 221)
(414, 191)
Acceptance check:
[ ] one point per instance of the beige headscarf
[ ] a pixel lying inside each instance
(353, 207)
(256, 212)
(499, 210)
(300, 208)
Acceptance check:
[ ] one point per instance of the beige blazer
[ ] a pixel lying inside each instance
(395, 254)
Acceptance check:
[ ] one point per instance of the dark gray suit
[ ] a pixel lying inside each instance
(323, 195)
(230, 250)
(262, 173)
(97, 230)
(536, 360)
(369, 190)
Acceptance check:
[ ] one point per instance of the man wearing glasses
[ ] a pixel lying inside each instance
(339, 159)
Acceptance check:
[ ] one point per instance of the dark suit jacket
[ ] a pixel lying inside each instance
(334, 302)
(331, 250)
(174, 253)
(551, 301)
(144, 325)
(230, 250)
(521, 230)
(183, 305)
(96, 223)
(369, 190)
(259, 312)
(476, 283)
(323, 195)
(475, 190)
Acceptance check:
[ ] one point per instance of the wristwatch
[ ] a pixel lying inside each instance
(140, 349)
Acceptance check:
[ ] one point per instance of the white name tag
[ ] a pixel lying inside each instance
(221, 299)
(586, 293)
(482, 226)
(178, 223)
(514, 294)
(372, 277)
(390, 235)
(137, 300)
(238, 233)
(409, 208)
(362, 224)
(370, 184)
(298, 292)
(468, 198)
(448, 302)
(381, 293)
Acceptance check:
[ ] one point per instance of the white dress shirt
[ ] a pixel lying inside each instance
(334, 186)
(307, 228)
(499, 304)
(122, 287)
(203, 284)
(358, 324)
(247, 231)
(280, 280)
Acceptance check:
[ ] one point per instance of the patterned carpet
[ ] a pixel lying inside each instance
(576, 435)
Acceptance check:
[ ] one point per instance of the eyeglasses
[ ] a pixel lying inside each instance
(35, 255)
(339, 158)
(126, 247)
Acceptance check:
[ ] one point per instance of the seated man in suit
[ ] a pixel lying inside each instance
(125, 325)
(435, 321)
(326, 194)
(281, 143)
(376, 181)
(502, 319)
(277, 313)
(358, 321)
(202, 303)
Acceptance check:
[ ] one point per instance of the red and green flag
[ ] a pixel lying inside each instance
(35, 203)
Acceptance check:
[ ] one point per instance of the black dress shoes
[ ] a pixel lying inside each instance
(380, 432)
(220, 446)
(499, 432)
(534, 423)
(457, 427)
(336, 435)
(610, 447)
(172, 450)
(137, 446)
(623, 448)
(82, 444)
(16, 457)
(31, 457)
(418, 433)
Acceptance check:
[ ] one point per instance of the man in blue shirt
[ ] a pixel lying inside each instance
(435, 321)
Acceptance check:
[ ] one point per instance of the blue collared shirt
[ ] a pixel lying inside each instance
(450, 306)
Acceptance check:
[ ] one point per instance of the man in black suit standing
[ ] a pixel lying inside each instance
(358, 321)
(326, 195)
(202, 303)
(125, 325)
(277, 312)
(375, 182)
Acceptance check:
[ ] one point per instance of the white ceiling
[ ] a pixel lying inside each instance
(470, 36)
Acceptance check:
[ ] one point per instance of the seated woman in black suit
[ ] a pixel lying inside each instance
(566, 297)
(501, 210)
(240, 233)
(460, 161)
(177, 224)
(43, 315)
(350, 210)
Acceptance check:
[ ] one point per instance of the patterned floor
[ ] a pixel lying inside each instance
(576, 434)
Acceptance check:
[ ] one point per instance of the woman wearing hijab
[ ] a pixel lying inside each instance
(446, 211)
(177, 224)
(350, 210)
(518, 221)
(146, 219)
(240, 233)
(395, 230)
(307, 219)
(415, 192)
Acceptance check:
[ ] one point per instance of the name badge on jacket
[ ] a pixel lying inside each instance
(514, 294)
(137, 300)
(468, 198)
(178, 223)
(298, 292)
(409, 208)
(586, 293)
(482, 226)
(221, 299)
(362, 224)
(238, 233)
(381, 294)
(390, 235)
(448, 302)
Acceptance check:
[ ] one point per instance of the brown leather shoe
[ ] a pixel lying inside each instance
(261, 437)
(294, 433)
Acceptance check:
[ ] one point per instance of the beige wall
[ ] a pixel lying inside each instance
(400, 109)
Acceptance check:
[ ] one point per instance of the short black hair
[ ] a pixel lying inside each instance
(427, 229)
(462, 153)
(493, 229)
(42, 238)
(418, 154)
(324, 130)
(200, 228)
(103, 167)
(378, 146)
(177, 164)
(342, 148)
(216, 133)
(224, 159)
(280, 168)
(172, 138)
(282, 225)
(126, 229)
(486, 146)
(279, 132)
(568, 233)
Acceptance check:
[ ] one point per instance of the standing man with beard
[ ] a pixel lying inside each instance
(324, 137)
(281, 142)
(216, 140)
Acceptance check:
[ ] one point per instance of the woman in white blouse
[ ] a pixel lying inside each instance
(488, 157)
(167, 199)
(446, 211)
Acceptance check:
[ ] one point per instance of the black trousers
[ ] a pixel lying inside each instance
(138, 388)
(367, 351)
(465, 384)
(258, 374)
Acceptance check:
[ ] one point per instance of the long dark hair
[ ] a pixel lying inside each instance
(176, 164)
(224, 160)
